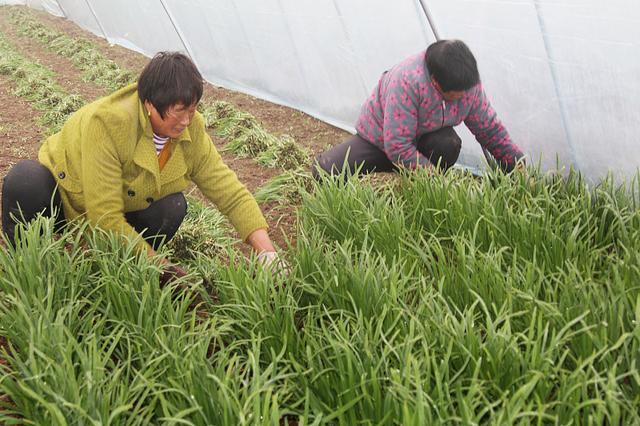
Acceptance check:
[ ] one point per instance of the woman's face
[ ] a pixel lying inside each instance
(452, 95)
(176, 118)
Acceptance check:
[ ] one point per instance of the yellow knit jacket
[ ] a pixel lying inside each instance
(105, 164)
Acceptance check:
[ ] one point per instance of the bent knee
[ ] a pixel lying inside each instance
(176, 205)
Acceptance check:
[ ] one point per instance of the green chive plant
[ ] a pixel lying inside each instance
(92, 338)
(524, 290)
(426, 299)
(204, 235)
(286, 154)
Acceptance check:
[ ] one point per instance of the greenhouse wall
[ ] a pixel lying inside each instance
(563, 75)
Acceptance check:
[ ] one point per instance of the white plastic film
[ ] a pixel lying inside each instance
(50, 6)
(562, 74)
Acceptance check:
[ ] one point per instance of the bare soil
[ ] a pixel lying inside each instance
(20, 134)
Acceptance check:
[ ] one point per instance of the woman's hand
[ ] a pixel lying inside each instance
(272, 261)
(267, 255)
(260, 241)
(170, 271)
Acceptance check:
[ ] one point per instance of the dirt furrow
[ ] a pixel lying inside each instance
(20, 134)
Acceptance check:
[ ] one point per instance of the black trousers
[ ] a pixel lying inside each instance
(29, 189)
(441, 147)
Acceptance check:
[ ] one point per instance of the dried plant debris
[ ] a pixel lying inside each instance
(246, 137)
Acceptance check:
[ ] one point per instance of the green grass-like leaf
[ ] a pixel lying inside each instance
(422, 299)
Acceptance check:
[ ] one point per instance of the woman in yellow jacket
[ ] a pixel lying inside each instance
(123, 161)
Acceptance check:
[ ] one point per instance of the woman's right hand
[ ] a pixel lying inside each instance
(170, 271)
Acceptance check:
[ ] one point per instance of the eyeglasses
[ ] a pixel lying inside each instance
(180, 112)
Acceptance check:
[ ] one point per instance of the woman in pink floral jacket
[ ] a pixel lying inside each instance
(408, 119)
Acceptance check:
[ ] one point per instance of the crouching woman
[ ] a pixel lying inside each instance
(123, 162)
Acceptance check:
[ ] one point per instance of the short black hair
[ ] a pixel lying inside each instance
(170, 78)
(452, 65)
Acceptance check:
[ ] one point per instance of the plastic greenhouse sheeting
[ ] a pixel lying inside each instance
(562, 74)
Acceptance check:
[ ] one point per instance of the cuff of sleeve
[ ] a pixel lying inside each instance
(247, 226)
(143, 246)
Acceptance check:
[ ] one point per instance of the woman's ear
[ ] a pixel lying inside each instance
(436, 85)
(148, 106)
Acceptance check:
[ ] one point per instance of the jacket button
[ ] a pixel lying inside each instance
(61, 175)
(150, 200)
(131, 193)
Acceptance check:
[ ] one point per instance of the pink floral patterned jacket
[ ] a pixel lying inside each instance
(406, 105)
